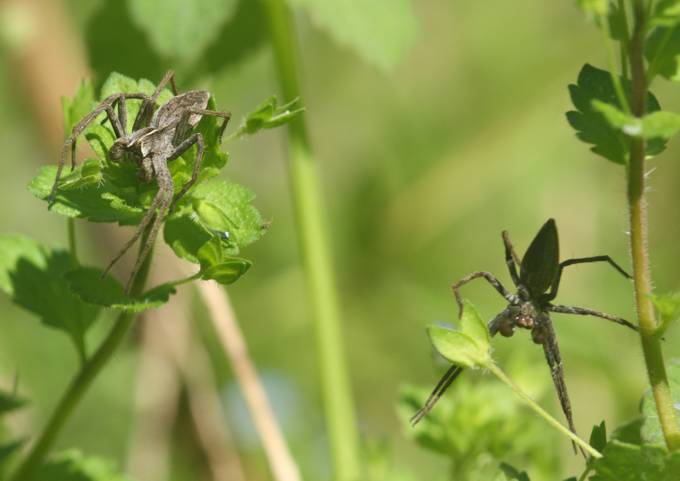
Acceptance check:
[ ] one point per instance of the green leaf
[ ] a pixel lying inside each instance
(662, 51)
(668, 307)
(227, 271)
(628, 462)
(594, 7)
(472, 325)
(629, 432)
(73, 466)
(34, 277)
(179, 29)
(512, 473)
(657, 125)
(379, 30)
(651, 428)
(592, 127)
(225, 207)
(6, 451)
(79, 106)
(269, 115)
(598, 436)
(458, 348)
(88, 284)
(185, 235)
(10, 402)
(666, 13)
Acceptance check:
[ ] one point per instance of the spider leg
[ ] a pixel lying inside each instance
(215, 113)
(70, 144)
(450, 376)
(165, 192)
(443, 384)
(581, 260)
(197, 139)
(511, 298)
(584, 311)
(146, 110)
(511, 258)
(552, 356)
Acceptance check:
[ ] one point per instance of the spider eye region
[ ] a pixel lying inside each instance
(118, 150)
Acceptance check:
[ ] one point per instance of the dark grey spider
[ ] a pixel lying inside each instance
(539, 277)
(157, 137)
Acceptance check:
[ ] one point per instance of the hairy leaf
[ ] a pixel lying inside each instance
(88, 284)
(628, 462)
(651, 428)
(74, 466)
(591, 125)
(34, 277)
(179, 29)
(379, 30)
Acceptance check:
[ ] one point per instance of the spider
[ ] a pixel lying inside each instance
(158, 136)
(537, 283)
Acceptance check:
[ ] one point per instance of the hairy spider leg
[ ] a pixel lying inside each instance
(165, 192)
(552, 355)
(196, 138)
(447, 379)
(146, 110)
(451, 374)
(584, 311)
(70, 144)
(511, 258)
(511, 298)
(582, 260)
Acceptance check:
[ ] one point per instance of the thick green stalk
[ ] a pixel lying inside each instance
(651, 344)
(80, 384)
(310, 216)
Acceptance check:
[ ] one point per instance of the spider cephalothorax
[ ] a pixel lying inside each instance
(537, 282)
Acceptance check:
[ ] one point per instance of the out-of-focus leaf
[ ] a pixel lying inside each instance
(651, 428)
(629, 462)
(6, 451)
(74, 466)
(34, 277)
(179, 29)
(666, 13)
(657, 125)
(594, 7)
(512, 473)
(88, 284)
(592, 127)
(269, 115)
(662, 51)
(598, 436)
(10, 402)
(379, 30)
(668, 307)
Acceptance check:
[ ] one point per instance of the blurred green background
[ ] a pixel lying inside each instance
(423, 166)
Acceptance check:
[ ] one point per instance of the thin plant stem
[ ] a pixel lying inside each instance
(651, 344)
(80, 384)
(498, 372)
(313, 239)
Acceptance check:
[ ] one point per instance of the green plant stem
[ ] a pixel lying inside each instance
(651, 344)
(498, 372)
(72, 245)
(79, 385)
(310, 215)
